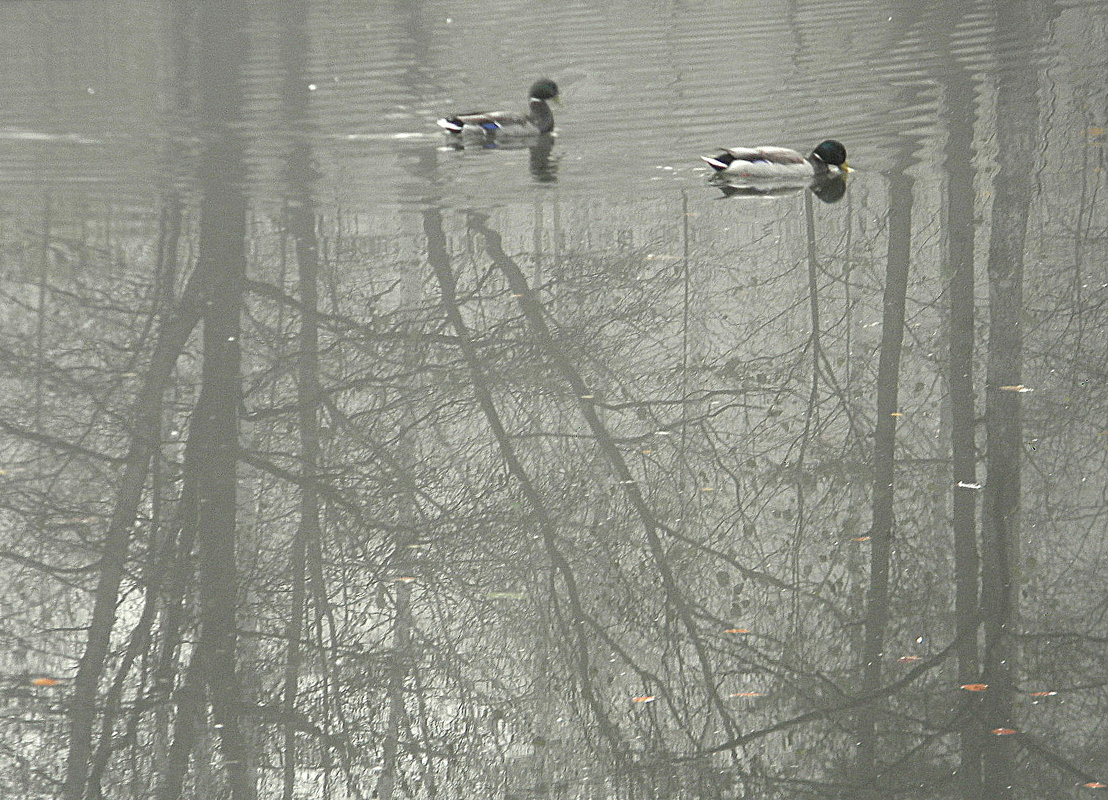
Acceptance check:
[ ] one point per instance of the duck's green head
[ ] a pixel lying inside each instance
(544, 89)
(831, 152)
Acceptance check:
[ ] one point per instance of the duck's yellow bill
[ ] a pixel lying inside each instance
(845, 168)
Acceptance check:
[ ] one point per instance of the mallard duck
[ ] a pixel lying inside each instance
(757, 163)
(537, 119)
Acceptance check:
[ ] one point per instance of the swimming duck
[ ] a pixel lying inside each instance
(757, 163)
(537, 119)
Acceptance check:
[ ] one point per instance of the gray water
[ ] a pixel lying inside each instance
(343, 462)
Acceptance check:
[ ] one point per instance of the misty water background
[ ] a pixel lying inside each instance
(339, 462)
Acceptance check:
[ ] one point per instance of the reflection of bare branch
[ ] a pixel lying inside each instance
(56, 443)
(651, 526)
(823, 713)
(542, 516)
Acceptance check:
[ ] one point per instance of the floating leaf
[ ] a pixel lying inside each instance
(403, 579)
(646, 698)
(908, 659)
(1095, 785)
(860, 539)
(896, 414)
(1003, 731)
(1019, 387)
(707, 489)
(747, 694)
(44, 681)
(1043, 694)
(737, 630)
(974, 687)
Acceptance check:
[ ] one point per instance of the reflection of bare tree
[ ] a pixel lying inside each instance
(178, 317)
(884, 457)
(543, 516)
(652, 527)
(301, 226)
(212, 675)
(959, 228)
(1017, 141)
(599, 532)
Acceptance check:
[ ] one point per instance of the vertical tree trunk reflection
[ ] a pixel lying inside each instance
(301, 226)
(884, 458)
(213, 433)
(1017, 111)
(958, 224)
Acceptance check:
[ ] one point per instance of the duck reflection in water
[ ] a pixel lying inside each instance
(544, 169)
(542, 165)
(828, 189)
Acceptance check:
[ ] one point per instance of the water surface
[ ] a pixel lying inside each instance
(340, 462)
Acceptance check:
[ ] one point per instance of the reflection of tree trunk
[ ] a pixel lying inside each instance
(301, 221)
(175, 587)
(177, 326)
(293, 632)
(798, 465)
(190, 701)
(399, 664)
(213, 430)
(190, 704)
(1017, 110)
(145, 432)
(884, 458)
(214, 425)
(177, 555)
(958, 225)
(136, 646)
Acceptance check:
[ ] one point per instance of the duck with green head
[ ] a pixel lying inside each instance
(537, 119)
(776, 163)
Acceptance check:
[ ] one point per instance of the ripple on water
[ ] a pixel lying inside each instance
(648, 86)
